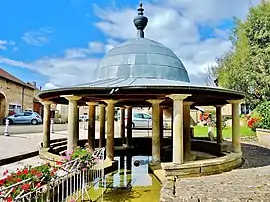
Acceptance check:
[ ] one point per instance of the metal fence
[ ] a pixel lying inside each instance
(71, 183)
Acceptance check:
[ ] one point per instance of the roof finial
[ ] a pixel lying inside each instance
(140, 21)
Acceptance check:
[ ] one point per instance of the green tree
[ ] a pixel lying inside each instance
(246, 67)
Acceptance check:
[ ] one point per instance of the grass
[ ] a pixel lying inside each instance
(245, 131)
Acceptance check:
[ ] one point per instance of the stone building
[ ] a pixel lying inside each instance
(15, 95)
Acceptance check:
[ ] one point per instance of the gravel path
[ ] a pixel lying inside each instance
(251, 182)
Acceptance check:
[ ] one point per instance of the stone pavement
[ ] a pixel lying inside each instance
(251, 182)
(14, 145)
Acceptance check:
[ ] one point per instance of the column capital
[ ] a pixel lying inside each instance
(47, 102)
(110, 102)
(154, 101)
(188, 103)
(128, 107)
(91, 103)
(123, 107)
(178, 96)
(219, 106)
(235, 101)
(72, 97)
(102, 105)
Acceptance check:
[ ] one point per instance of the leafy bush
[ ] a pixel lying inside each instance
(262, 112)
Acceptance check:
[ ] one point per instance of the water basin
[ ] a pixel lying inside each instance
(129, 183)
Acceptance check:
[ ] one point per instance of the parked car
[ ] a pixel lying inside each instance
(142, 120)
(23, 118)
(83, 118)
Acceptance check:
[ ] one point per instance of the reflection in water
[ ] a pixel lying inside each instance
(130, 183)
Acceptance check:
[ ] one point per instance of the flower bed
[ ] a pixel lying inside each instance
(18, 184)
(28, 179)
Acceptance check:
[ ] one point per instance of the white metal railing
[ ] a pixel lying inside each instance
(71, 183)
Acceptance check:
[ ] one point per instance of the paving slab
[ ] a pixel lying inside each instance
(19, 144)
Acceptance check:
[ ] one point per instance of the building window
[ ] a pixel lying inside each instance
(14, 109)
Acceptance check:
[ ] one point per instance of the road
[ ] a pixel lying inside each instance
(26, 129)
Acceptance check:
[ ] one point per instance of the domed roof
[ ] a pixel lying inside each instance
(141, 58)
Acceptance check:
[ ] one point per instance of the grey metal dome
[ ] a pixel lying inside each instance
(141, 58)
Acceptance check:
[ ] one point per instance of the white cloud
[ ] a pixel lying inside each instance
(49, 86)
(4, 44)
(173, 23)
(37, 37)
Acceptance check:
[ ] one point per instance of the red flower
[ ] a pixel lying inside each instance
(2, 182)
(5, 172)
(25, 187)
(39, 174)
(19, 172)
(52, 173)
(9, 199)
(33, 172)
(59, 163)
(38, 185)
(25, 171)
(18, 179)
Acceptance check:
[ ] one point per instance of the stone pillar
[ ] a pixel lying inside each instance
(219, 124)
(110, 130)
(122, 124)
(236, 142)
(77, 123)
(46, 123)
(129, 126)
(161, 124)
(178, 145)
(72, 124)
(155, 131)
(102, 118)
(91, 124)
(187, 137)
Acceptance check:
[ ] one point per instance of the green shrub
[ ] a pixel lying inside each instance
(262, 111)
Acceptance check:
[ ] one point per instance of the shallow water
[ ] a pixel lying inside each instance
(129, 183)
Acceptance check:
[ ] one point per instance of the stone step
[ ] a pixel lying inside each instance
(56, 144)
(58, 149)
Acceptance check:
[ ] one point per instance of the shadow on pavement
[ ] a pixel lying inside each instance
(255, 156)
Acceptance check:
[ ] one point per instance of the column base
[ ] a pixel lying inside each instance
(190, 157)
(155, 165)
(223, 147)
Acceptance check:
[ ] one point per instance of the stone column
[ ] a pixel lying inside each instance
(187, 137)
(219, 124)
(110, 130)
(77, 123)
(129, 126)
(46, 123)
(122, 124)
(72, 124)
(178, 145)
(236, 142)
(155, 131)
(161, 124)
(102, 115)
(91, 124)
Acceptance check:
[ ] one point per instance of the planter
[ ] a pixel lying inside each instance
(263, 136)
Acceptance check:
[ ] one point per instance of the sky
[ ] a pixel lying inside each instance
(59, 43)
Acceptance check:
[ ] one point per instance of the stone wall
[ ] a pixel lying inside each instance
(263, 136)
(16, 94)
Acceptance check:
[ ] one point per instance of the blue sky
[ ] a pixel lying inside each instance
(36, 33)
